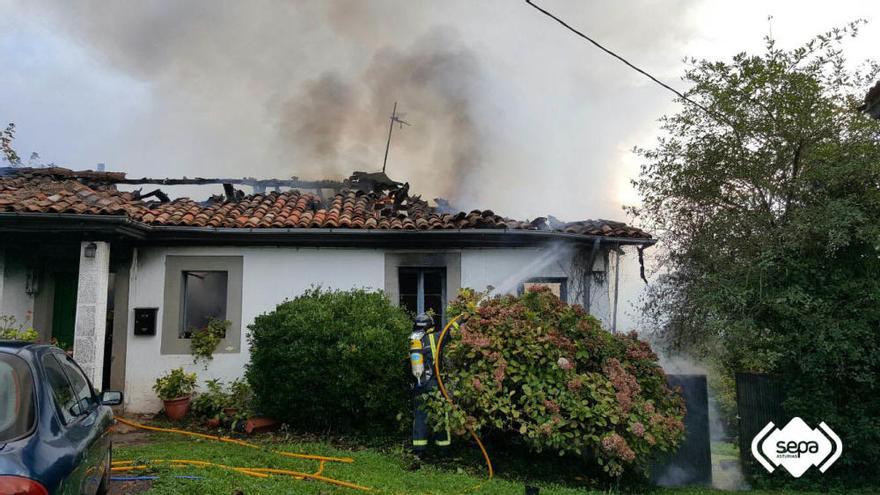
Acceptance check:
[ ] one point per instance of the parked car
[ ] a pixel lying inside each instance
(54, 430)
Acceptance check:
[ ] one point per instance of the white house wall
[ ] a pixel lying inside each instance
(272, 274)
(269, 276)
(14, 300)
(506, 268)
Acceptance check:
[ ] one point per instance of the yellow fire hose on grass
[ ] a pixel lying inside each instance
(258, 472)
(448, 399)
(124, 466)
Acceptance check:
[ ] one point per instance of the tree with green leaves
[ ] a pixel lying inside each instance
(766, 198)
(7, 152)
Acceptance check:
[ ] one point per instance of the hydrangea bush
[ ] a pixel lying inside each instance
(547, 374)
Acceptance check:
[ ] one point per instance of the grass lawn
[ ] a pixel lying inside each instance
(387, 470)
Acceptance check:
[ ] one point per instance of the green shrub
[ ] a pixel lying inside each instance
(232, 404)
(204, 341)
(332, 359)
(11, 330)
(210, 404)
(241, 396)
(546, 374)
(175, 384)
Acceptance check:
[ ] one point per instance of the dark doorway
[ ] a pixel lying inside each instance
(108, 335)
(64, 309)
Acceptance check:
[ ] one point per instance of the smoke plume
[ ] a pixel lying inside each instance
(338, 124)
(502, 103)
(304, 89)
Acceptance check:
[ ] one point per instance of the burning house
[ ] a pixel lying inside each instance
(121, 275)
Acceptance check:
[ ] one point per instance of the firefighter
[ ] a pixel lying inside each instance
(423, 353)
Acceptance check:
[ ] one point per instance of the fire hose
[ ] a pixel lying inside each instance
(258, 472)
(449, 399)
(125, 466)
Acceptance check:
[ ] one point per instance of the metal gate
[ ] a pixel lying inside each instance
(691, 464)
(759, 399)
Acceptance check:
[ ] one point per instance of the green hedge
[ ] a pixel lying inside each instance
(332, 360)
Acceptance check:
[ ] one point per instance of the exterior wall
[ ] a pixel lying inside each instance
(43, 307)
(272, 274)
(14, 300)
(506, 268)
(602, 289)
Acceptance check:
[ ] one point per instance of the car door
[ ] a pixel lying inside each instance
(91, 439)
(65, 406)
(78, 411)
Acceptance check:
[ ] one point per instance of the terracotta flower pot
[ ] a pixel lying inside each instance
(230, 411)
(176, 409)
(213, 422)
(259, 425)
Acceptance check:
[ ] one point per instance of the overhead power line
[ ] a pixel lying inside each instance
(628, 63)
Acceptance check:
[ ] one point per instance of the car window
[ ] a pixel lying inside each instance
(17, 413)
(64, 397)
(81, 388)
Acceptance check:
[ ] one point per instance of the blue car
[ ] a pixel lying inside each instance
(54, 430)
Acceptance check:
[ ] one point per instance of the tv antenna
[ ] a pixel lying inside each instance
(396, 118)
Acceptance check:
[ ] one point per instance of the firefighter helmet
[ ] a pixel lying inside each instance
(423, 322)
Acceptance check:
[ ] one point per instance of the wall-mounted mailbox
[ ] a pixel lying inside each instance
(145, 321)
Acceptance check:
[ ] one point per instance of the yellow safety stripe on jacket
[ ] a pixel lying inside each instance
(420, 443)
(433, 346)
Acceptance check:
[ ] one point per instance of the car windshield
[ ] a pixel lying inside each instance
(16, 398)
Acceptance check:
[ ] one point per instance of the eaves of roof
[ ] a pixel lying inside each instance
(119, 226)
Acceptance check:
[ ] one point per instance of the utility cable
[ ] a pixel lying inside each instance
(632, 66)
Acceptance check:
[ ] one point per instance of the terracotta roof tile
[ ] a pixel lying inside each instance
(56, 190)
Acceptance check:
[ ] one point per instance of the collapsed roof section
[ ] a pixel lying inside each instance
(365, 201)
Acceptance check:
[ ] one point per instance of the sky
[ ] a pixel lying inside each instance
(508, 110)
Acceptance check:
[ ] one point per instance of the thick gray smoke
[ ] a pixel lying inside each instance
(338, 123)
(503, 103)
(283, 87)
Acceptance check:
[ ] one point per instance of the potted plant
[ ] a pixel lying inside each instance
(239, 399)
(209, 405)
(175, 388)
